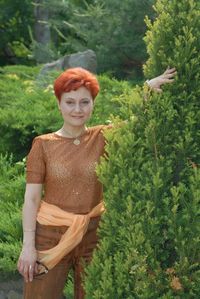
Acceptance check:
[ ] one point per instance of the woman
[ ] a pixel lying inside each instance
(60, 230)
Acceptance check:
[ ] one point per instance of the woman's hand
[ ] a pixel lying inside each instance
(166, 77)
(26, 265)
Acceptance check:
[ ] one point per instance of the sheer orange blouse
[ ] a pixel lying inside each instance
(66, 170)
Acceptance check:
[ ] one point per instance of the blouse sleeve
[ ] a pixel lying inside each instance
(107, 127)
(35, 165)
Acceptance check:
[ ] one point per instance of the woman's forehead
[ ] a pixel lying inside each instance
(81, 92)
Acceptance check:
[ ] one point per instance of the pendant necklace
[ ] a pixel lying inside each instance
(76, 138)
(76, 141)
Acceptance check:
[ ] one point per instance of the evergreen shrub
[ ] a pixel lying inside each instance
(150, 245)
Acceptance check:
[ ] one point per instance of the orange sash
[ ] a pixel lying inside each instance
(49, 214)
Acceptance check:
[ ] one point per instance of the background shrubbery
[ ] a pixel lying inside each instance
(27, 109)
(114, 29)
(12, 184)
(43, 30)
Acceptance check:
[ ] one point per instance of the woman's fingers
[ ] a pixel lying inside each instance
(25, 272)
(31, 270)
(166, 80)
(20, 267)
(168, 70)
(23, 269)
(169, 75)
(26, 269)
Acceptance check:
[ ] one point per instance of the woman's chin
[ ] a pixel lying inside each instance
(77, 122)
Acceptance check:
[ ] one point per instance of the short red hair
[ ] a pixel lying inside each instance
(74, 78)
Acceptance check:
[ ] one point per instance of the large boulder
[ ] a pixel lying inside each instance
(86, 60)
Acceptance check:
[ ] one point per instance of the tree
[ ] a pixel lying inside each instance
(49, 30)
(78, 25)
(15, 19)
(42, 34)
(43, 30)
(34, 31)
(150, 245)
(114, 29)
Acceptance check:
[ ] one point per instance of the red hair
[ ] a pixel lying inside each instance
(74, 78)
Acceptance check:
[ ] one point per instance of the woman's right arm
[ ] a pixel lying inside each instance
(27, 260)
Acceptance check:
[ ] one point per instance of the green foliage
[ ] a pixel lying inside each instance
(23, 108)
(78, 25)
(69, 286)
(15, 18)
(75, 26)
(12, 184)
(114, 30)
(27, 109)
(150, 245)
(57, 14)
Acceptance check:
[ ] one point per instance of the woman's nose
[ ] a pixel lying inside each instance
(77, 108)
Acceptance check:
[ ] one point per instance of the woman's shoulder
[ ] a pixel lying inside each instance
(44, 137)
(100, 128)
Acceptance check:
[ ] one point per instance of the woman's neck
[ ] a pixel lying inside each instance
(71, 131)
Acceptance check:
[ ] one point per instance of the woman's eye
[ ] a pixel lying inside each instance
(85, 102)
(69, 102)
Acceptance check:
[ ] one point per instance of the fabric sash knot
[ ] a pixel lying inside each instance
(49, 214)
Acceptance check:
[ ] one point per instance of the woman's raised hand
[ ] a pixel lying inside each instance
(166, 77)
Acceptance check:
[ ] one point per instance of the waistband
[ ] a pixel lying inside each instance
(49, 214)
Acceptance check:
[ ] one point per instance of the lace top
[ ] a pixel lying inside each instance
(66, 170)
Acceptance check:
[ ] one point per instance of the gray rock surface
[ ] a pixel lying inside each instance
(14, 295)
(2, 295)
(11, 289)
(86, 59)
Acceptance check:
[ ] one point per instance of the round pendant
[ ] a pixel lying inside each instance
(76, 142)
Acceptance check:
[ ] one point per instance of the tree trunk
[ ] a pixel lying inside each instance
(42, 31)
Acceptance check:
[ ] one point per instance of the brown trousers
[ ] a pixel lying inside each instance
(51, 285)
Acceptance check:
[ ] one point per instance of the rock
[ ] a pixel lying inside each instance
(86, 60)
(2, 295)
(14, 295)
(11, 289)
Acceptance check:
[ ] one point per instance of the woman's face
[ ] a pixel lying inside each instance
(76, 106)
